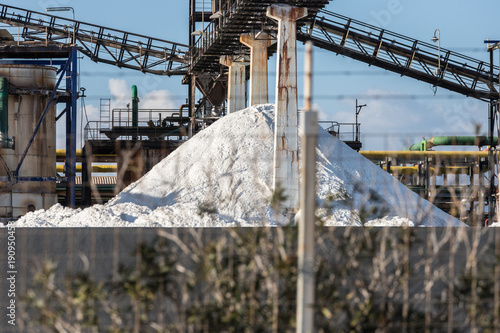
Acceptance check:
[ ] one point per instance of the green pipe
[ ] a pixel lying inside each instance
(421, 146)
(452, 141)
(135, 107)
(5, 142)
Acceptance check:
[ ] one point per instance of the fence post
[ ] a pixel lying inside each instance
(306, 283)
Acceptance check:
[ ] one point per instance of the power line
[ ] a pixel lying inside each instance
(318, 73)
(388, 97)
(341, 97)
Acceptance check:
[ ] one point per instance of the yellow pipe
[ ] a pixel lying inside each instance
(423, 154)
(62, 153)
(411, 170)
(95, 168)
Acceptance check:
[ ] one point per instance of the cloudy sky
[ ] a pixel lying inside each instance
(386, 123)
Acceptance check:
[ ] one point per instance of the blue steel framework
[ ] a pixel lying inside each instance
(69, 70)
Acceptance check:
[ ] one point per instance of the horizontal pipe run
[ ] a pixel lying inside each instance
(62, 152)
(31, 179)
(95, 168)
(381, 155)
(412, 170)
(479, 141)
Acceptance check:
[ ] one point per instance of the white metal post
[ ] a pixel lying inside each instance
(309, 133)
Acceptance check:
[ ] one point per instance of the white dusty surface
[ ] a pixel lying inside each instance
(228, 169)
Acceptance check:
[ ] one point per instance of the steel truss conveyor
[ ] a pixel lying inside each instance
(101, 44)
(400, 54)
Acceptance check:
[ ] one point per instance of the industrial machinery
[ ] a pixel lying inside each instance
(215, 42)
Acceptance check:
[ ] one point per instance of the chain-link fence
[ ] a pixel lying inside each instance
(244, 280)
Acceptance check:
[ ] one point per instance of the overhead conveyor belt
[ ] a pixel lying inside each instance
(101, 44)
(342, 35)
(400, 54)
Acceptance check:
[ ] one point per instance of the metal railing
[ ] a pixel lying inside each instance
(150, 123)
(343, 131)
(378, 47)
(402, 54)
(107, 45)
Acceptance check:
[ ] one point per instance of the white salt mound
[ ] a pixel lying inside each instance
(222, 177)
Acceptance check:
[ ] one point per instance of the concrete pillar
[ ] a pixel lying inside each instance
(236, 84)
(258, 66)
(286, 159)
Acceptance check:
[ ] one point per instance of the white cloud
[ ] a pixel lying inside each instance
(396, 123)
(158, 99)
(121, 92)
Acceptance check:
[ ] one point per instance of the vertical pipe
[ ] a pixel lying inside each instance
(135, 111)
(71, 170)
(481, 193)
(68, 138)
(285, 175)
(192, 105)
(191, 78)
(305, 283)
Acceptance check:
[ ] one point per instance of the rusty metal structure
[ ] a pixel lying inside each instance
(28, 177)
(454, 181)
(17, 198)
(225, 36)
(216, 28)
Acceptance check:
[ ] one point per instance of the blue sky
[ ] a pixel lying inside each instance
(385, 123)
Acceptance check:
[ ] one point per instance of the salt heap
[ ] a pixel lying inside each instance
(222, 177)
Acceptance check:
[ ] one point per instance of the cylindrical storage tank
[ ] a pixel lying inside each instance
(29, 85)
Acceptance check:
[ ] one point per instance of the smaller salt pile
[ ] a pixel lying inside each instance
(222, 176)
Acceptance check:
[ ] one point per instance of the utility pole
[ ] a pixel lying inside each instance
(358, 110)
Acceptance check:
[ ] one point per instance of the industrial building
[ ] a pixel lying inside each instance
(229, 45)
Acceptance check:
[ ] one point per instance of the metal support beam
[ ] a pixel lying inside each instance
(491, 150)
(236, 84)
(71, 120)
(259, 93)
(286, 166)
(192, 105)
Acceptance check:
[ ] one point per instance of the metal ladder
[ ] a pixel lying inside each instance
(105, 113)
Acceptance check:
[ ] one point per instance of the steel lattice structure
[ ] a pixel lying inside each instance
(342, 35)
(101, 44)
(403, 55)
